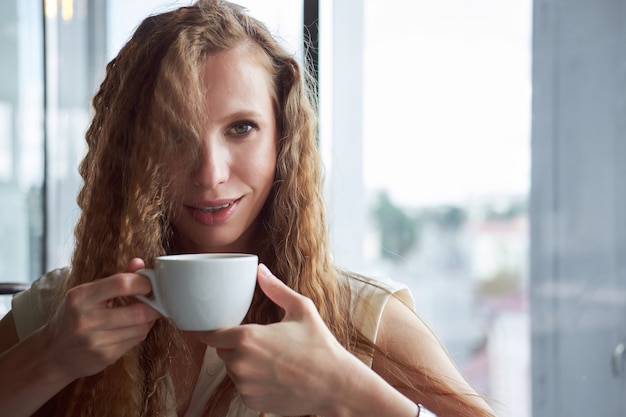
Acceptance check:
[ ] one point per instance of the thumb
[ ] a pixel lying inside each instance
(278, 291)
(135, 264)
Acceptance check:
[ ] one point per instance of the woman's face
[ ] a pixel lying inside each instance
(224, 193)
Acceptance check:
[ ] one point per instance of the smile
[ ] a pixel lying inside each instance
(213, 209)
(213, 213)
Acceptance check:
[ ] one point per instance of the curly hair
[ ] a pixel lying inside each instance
(145, 130)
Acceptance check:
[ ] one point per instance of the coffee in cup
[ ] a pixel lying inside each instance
(202, 291)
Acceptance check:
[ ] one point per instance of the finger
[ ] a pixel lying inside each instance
(130, 315)
(225, 339)
(226, 355)
(110, 345)
(119, 285)
(278, 291)
(135, 264)
(124, 335)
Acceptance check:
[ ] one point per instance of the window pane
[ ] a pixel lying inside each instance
(21, 142)
(74, 61)
(446, 170)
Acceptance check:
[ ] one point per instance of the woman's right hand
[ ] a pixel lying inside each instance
(86, 334)
(83, 337)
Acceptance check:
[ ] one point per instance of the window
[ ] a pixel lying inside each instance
(446, 172)
(21, 142)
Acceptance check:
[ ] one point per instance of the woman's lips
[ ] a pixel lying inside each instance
(214, 213)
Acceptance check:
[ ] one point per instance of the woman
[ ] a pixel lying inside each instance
(204, 140)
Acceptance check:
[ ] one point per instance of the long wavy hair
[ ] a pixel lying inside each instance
(144, 133)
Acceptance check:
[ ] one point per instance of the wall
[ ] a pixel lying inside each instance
(578, 201)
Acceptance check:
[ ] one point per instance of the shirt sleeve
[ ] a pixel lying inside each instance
(369, 297)
(32, 308)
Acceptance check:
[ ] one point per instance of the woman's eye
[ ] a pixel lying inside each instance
(241, 128)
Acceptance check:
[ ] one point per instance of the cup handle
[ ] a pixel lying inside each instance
(156, 303)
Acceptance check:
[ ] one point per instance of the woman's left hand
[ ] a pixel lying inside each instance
(293, 367)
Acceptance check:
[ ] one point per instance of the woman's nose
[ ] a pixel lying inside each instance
(212, 167)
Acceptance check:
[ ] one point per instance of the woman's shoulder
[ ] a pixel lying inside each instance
(31, 308)
(369, 297)
(371, 290)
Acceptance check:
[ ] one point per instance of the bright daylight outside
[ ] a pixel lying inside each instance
(447, 171)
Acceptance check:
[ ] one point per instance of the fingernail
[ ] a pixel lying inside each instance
(264, 271)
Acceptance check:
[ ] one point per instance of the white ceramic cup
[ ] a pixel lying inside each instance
(202, 291)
